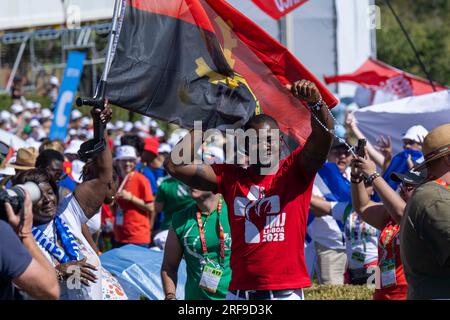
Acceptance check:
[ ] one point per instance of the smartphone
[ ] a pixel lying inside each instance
(361, 148)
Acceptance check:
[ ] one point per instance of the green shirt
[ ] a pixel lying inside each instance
(425, 242)
(186, 228)
(175, 197)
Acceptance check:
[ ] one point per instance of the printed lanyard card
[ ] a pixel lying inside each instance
(211, 276)
(388, 278)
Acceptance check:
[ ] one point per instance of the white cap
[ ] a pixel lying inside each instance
(37, 105)
(72, 132)
(164, 147)
(34, 123)
(30, 105)
(76, 115)
(119, 124)
(139, 125)
(159, 133)
(128, 126)
(17, 108)
(142, 134)
(46, 113)
(126, 152)
(5, 115)
(83, 132)
(153, 123)
(110, 126)
(54, 81)
(416, 133)
(85, 121)
(73, 147)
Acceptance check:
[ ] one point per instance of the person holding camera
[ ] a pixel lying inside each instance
(21, 262)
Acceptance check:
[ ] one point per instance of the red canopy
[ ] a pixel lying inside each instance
(374, 73)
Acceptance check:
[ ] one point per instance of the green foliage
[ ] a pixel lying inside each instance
(427, 22)
(345, 292)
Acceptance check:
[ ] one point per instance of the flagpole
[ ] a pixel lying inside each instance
(92, 147)
(411, 43)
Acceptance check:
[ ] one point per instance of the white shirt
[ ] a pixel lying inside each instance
(71, 213)
(325, 230)
(361, 239)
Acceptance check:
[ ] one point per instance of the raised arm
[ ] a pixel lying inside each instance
(180, 164)
(98, 179)
(317, 147)
(393, 203)
(352, 126)
(371, 212)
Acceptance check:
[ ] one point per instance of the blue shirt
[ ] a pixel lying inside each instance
(14, 260)
(149, 174)
(67, 183)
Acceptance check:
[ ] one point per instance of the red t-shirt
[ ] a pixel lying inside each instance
(268, 218)
(391, 248)
(135, 227)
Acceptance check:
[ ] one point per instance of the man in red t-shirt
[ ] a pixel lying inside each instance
(268, 207)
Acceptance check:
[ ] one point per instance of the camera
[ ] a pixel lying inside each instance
(15, 196)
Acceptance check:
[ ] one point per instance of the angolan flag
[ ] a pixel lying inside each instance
(187, 60)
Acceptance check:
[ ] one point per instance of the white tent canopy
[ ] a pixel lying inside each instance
(394, 118)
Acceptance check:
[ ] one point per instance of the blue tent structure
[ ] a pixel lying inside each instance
(138, 271)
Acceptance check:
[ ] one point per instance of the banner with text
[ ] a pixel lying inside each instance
(67, 91)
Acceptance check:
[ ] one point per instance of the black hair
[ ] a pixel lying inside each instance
(134, 141)
(47, 156)
(37, 176)
(258, 119)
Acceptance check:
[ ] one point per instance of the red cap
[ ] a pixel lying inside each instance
(151, 145)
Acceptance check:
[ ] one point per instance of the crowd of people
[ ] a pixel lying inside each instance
(242, 233)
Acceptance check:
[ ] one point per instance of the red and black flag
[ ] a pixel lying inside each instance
(187, 60)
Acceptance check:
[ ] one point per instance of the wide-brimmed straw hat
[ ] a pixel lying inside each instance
(436, 145)
(25, 159)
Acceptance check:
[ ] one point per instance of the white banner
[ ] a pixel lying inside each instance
(394, 118)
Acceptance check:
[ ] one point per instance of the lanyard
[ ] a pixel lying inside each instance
(388, 238)
(221, 232)
(442, 183)
(355, 225)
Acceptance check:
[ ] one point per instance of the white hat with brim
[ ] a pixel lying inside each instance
(416, 133)
(126, 153)
(75, 115)
(17, 108)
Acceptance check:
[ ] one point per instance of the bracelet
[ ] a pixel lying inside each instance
(317, 105)
(356, 181)
(372, 177)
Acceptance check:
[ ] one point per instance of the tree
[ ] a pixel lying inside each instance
(427, 23)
